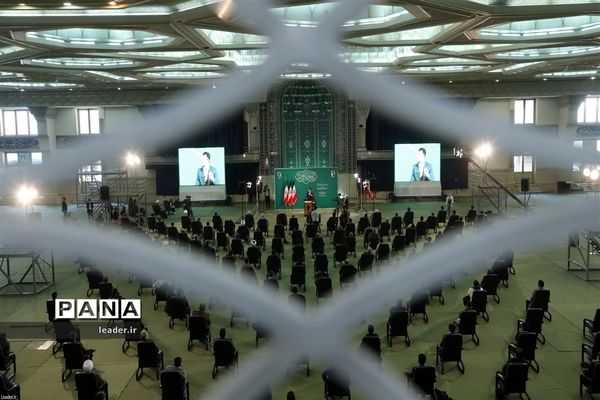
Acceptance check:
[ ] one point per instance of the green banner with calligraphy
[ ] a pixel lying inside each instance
(292, 184)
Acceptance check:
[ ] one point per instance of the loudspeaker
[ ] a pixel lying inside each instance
(104, 193)
(524, 184)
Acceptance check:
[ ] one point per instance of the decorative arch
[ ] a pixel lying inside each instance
(307, 125)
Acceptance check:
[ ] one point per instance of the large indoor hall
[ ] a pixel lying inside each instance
(299, 200)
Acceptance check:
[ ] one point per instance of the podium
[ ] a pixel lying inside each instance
(308, 207)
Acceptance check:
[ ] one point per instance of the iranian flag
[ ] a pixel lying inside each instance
(286, 195)
(294, 196)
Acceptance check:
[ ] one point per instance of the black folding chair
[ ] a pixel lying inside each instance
(541, 298)
(479, 303)
(468, 324)
(590, 325)
(225, 355)
(274, 265)
(173, 386)
(450, 351)
(526, 345)
(591, 384)
(397, 325)
(95, 278)
(199, 330)
(133, 328)
(74, 358)
(515, 380)
(298, 275)
(424, 379)
(87, 386)
(490, 283)
(534, 318)
(418, 305)
(323, 288)
(149, 356)
(177, 308)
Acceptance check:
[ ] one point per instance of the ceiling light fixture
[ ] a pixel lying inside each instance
(67, 4)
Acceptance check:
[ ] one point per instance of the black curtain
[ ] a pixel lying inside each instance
(455, 173)
(384, 132)
(229, 132)
(167, 180)
(379, 172)
(243, 172)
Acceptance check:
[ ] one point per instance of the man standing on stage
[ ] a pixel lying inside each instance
(267, 197)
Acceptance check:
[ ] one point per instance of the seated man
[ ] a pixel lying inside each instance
(469, 297)
(366, 259)
(517, 358)
(408, 217)
(371, 342)
(373, 239)
(399, 307)
(172, 232)
(223, 338)
(453, 218)
(5, 346)
(422, 359)
(540, 288)
(347, 271)
(296, 299)
(176, 367)
(247, 272)
(88, 366)
(424, 376)
(587, 372)
(337, 383)
(451, 331)
(201, 312)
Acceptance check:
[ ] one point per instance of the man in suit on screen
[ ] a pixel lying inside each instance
(422, 170)
(207, 174)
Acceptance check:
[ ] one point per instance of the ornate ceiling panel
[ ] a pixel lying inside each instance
(92, 44)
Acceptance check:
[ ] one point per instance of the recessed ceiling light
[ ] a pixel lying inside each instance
(403, 82)
(497, 80)
(449, 81)
(112, 3)
(67, 4)
(545, 79)
(119, 88)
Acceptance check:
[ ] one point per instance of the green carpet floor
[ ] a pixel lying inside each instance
(572, 299)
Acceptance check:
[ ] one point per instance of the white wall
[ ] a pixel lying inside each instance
(65, 122)
(117, 118)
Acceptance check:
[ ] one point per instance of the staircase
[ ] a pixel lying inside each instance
(489, 187)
